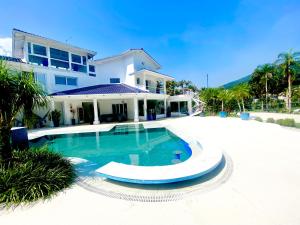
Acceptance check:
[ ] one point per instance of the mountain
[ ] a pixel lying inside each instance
(236, 82)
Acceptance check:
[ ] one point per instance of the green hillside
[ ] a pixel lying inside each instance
(236, 82)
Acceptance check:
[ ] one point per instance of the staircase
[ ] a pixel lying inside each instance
(199, 105)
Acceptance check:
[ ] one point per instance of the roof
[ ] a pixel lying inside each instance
(153, 73)
(55, 41)
(101, 89)
(128, 52)
(11, 59)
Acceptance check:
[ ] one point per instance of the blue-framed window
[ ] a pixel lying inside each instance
(92, 68)
(76, 58)
(114, 80)
(38, 60)
(39, 50)
(62, 80)
(92, 74)
(59, 64)
(83, 60)
(78, 68)
(59, 54)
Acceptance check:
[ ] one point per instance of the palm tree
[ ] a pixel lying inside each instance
(288, 62)
(240, 92)
(224, 96)
(265, 72)
(19, 93)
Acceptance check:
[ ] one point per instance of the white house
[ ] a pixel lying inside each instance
(120, 87)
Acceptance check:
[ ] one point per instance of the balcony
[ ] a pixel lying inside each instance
(155, 89)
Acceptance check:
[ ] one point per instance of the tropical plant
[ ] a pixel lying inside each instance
(171, 86)
(240, 93)
(55, 117)
(286, 122)
(210, 97)
(224, 96)
(270, 120)
(261, 76)
(33, 174)
(19, 92)
(288, 62)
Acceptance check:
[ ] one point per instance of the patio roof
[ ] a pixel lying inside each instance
(101, 89)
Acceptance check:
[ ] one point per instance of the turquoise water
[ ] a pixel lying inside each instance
(125, 144)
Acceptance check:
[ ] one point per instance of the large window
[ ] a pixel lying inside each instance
(78, 68)
(39, 50)
(36, 54)
(76, 58)
(59, 54)
(114, 80)
(41, 61)
(92, 71)
(59, 64)
(41, 79)
(62, 80)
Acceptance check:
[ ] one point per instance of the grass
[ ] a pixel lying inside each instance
(286, 122)
(32, 175)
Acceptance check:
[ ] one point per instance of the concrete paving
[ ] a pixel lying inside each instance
(264, 187)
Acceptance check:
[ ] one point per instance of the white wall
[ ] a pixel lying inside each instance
(106, 106)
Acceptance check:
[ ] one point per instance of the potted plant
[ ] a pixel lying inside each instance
(224, 96)
(241, 92)
(73, 111)
(55, 117)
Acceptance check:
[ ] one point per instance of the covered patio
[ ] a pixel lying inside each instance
(107, 103)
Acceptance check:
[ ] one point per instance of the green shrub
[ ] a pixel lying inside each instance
(258, 119)
(286, 122)
(270, 120)
(33, 174)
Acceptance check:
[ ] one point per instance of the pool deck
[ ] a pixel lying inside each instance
(264, 187)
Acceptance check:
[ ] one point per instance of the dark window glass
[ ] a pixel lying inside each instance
(92, 68)
(29, 47)
(58, 63)
(141, 107)
(174, 107)
(72, 81)
(138, 80)
(114, 80)
(40, 50)
(83, 60)
(92, 74)
(79, 68)
(60, 80)
(38, 60)
(76, 58)
(59, 54)
(183, 107)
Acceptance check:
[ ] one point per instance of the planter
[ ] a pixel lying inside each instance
(73, 121)
(245, 116)
(223, 114)
(149, 116)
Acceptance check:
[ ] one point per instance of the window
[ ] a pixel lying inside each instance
(38, 60)
(76, 58)
(83, 60)
(59, 54)
(78, 68)
(60, 80)
(41, 79)
(174, 107)
(72, 81)
(39, 50)
(138, 81)
(59, 64)
(92, 68)
(29, 47)
(114, 80)
(141, 107)
(147, 84)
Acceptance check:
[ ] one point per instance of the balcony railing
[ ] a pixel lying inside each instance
(154, 89)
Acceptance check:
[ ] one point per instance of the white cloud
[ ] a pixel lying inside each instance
(5, 46)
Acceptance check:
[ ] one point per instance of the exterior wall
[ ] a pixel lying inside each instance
(141, 62)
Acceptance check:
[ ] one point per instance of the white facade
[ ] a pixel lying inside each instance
(60, 67)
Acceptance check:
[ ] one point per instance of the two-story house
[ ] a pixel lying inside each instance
(127, 86)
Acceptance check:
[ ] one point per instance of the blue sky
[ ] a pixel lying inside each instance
(225, 39)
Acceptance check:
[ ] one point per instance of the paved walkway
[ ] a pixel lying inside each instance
(264, 187)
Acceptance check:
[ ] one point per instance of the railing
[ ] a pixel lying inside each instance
(154, 89)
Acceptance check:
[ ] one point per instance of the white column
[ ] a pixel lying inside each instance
(66, 111)
(190, 106)
(52, 108)
(165, 106)
(96, 118)
(179, 108)
(136, 110)
(145, 108)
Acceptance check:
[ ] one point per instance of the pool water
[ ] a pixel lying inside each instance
(128, 144)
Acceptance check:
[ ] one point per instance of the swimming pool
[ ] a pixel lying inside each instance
(132, 145)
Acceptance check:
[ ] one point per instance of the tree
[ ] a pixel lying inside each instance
(224, 96)
(260, 78)
(19, 93)
(240, 93)
(171, 86)
(288, 62)
(210, 97)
